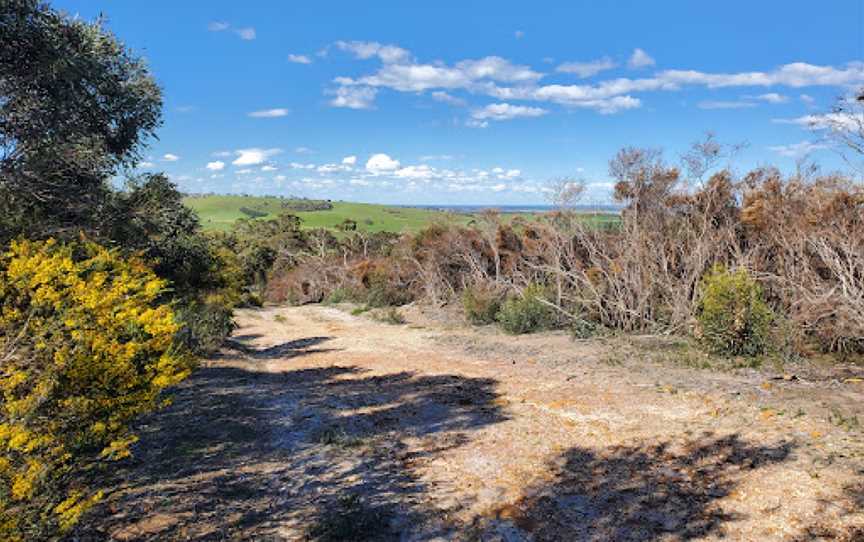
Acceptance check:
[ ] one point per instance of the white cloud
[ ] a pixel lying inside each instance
(280, 177)
(218, 165)
(612, 95)
(353, 97)
(807, 99)
(415, 172)
(247, 33)
(497, 69)
(368, 49)
(444, 97)
(245, 171)
(304, 150)
(349, 160)
(222, 154)
(505, 111)
(487, 76)
(773, 98)
(270, 113)
(145, 164)
(268, 167)
(168, 157)
(796, 74)
(498, 187)
(380, 163)
(332, 168)
(297, 165)
(409, 77)
(640, 59)
(253, 156)
(829, 121)
(587, 69)
(715, 104)
(299, 59)
(797, 150)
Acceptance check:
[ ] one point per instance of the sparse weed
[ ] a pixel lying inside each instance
(849, 423)
(337, 437)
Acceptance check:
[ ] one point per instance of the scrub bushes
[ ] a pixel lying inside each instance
(527, 312)
(733, 316)
(481, 305)
(85, 347)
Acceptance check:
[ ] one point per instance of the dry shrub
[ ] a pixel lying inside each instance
(481, 304)
(806, 238)
(801, 237)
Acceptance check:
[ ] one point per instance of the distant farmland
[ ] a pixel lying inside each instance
(220, 212)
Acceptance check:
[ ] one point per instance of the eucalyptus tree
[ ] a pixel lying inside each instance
(76, 109)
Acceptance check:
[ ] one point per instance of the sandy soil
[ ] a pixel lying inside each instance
(314, 424)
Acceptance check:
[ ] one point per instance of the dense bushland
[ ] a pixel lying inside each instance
(105, 294)
(795, 246)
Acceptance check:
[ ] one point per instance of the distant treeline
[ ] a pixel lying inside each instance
(288, 203)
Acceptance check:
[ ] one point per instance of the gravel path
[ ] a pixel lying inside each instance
(314, 424)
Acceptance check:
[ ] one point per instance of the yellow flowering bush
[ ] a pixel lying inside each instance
(85, 347)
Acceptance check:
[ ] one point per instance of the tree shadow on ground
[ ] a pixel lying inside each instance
(284, 350)
(850, 503)
(638, 493)
(242, 453)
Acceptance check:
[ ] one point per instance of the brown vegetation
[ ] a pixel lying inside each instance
(801, 237)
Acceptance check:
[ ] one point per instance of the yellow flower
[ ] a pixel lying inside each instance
(96, 352)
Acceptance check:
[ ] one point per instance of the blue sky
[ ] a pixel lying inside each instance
(477, 102)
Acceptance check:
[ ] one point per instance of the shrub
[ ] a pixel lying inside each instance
(581, 328)
(340, 295)
(733, 317)
(390, 316)
(204, 324)
(527, 313)
(253, 213)
(481, 305)
(381, 292)
(85, 347)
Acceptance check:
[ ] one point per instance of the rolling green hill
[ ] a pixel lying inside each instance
(220, 212)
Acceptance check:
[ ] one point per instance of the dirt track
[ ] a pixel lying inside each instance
(318, 424)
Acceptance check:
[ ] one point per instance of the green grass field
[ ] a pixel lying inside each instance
(220, 212)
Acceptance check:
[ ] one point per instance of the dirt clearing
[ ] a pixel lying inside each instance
(314, 424)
